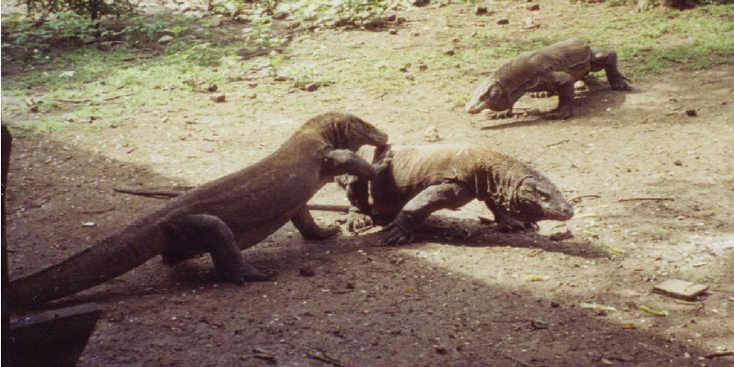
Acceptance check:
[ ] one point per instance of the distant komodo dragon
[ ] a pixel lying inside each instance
(224, 216)
(553, 69)
(423, 179)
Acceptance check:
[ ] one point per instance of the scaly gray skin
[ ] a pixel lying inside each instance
(553, 69)
(224, 216)
(423, 179)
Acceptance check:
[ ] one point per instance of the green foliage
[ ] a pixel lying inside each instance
(341, 13)
(93, 9)
(63, 29)
(260, 33)
(149, 27)
(619, 2)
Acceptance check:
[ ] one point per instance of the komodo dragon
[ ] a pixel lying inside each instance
(221, 217)
(553, 69)
(423, 179)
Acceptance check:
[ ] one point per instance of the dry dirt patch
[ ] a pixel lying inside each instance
(448, 299)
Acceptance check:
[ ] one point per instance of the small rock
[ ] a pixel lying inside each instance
(393, 32)
(440, 349)
(431, 134)
(401, 20)
(306, 270)
(503, 21)
(252, 85)
(449, 52)
(561, 235)
(534, 7)
(680, 288)
(165, 39)
(89, 39)
(691, 113)
(390, 18)
(280, 15)
(579, 85)
(219, 98)
(252, 95)
(313, 87)
(678, 162)
(480, 10)
(423, 67)
(212, 88)
(280, 78)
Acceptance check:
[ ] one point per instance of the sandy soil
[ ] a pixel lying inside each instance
(457, 296)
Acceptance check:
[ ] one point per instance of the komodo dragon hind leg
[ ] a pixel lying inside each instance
(443, 196)
(309, 229)
(194, 234)
(607, 60)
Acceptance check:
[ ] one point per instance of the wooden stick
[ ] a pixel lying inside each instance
(92, 99)
(646, 199)
(517, 361)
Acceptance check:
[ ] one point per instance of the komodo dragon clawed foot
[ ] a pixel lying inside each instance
(542, 94)
(357, 220)
(499, 115)
(506, 224)
(394, 234)
(322, 233)
(248, 273)
(559, 114)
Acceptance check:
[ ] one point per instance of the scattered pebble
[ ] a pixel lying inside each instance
(219, 98)
(306, 270)
(561, 235)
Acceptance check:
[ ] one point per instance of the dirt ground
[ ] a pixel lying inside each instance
(458, 295)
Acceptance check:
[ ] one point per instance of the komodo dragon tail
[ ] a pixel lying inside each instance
(113, 256)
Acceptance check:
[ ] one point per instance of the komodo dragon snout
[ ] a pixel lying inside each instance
(535, 201)
(488, 95)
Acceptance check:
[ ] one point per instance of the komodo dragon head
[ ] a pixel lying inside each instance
(489, 94)
(346, 131)
(535, 198)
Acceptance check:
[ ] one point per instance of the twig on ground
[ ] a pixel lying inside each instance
(657, 350)
(578, 198)
(517, 361)
(165, 192)
(92, 99)
(558, 143)
(646, 199)
(719, 354)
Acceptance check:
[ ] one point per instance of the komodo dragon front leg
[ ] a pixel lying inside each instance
(447, 195)
(607, 60)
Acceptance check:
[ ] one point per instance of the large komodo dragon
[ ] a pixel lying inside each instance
(553, 69)
(224, 216)
(423, 179)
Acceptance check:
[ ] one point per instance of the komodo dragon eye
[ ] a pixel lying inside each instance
(544, 196)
